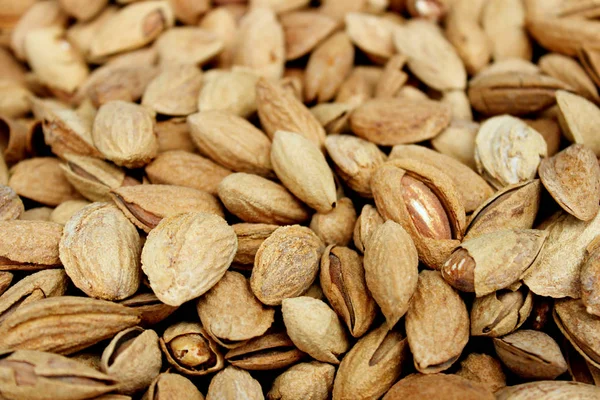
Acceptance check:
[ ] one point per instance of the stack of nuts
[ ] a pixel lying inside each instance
(299, 200)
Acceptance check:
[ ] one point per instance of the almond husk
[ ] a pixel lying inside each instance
(328, 66)
(430, 56)
(138, 24)
(147, 205)
(571, 72)
(42, 179)
(398, 121)
(188, 45)
(260, 43)
(372, 366)
(278, 109)
(231, 91)
(314, 328)
(577, 117)
(504, 24)
(563, 176)
(556, 270)
(231, 313)
(232, 142)
(174, 91)
(180, 168)
(371, 34)
(391, 270)
(303, 170)
(255, 199)
(70, 324)
(286, 264)
(303, 31)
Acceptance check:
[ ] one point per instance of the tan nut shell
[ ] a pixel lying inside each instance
(100, 250)
(286, 264)
(230, 312)
(186, 255)
(436, 334)
(124, 133)
(314, 328)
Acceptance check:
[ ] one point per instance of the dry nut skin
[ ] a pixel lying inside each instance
(147, 205)
(260, 43)
(342, 279)
(40, 285)
(137, 24)
(168, 386)
(500, 313)
(548, 389)
(187, 45)
(93, 178)
(231, 141)
(430, 56)
(327, 68)
(124, 133)
(311, 381)
(5, 281)
(286, 264)
(590, 284)
(253, 198)
(315, 328)
(267, 352)
(372, 366)
(531, 355)
(250, 237)
(151, 310)
(303, 31)
(29, 245)
(513, 207)
(556, 271)
(391, 270)
(41, 179)
(110, 268)
(69, 132)
(174, 91)
(234, 383)
(186, 255)
(180, 168)
(232, 92)
(190, 349)
(389, 122)
(278, 109)
(484, 369)
(355, 160)
(69, 323)
(11, 206)
(231, 313)
(133, 358)
(580, 328)
(438, 386)
(577, 117)
(303, 170)
(336, 226)
(436, 335)
(514, 92)
(38, 375)
(572, 177)
(507, 151)
(368, 220)
(493, 261)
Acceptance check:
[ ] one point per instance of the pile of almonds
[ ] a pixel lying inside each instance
(299, 200)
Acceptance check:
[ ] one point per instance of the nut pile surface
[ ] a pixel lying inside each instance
(299, 200)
